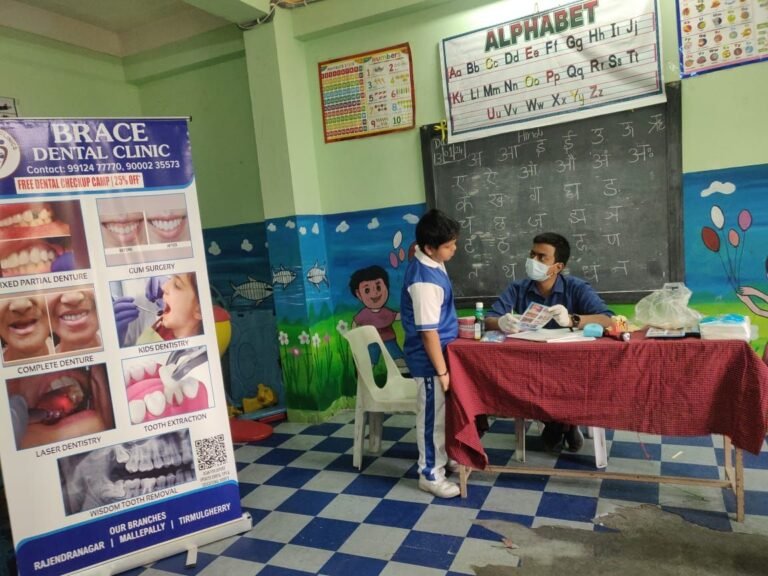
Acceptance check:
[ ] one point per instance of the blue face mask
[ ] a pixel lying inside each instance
(536, 270)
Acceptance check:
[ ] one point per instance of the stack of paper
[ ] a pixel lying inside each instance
(553, 336)
(725, 327)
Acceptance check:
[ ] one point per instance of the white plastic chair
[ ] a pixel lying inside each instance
(397, 395)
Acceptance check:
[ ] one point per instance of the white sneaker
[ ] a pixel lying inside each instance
(441, 488)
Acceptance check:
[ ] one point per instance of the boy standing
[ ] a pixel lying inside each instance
(429, 321)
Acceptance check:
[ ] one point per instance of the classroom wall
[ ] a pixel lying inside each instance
(720, 112)
(66, 82)
(720, 109)
(206, 79)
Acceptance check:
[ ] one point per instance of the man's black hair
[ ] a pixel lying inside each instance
(366, 274)
(561, 245)
(436, 228)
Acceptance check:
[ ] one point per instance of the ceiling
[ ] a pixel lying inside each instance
(116, 27)
(115, 15)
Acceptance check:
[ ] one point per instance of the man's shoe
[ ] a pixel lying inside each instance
(441, 488)
(552, 436)
(574, 438)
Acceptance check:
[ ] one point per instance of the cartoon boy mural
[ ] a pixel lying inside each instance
(371, 286)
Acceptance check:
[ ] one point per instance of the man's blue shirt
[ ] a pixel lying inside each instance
(575, 294)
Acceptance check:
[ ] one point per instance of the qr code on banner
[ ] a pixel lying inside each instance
(210, 452)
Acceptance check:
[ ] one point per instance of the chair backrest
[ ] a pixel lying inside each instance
(397, 388)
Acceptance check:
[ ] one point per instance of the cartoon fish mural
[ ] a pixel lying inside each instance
(316, 276)
(254, 290)
(282, 277)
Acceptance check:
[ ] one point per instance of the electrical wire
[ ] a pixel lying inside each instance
(273, 5)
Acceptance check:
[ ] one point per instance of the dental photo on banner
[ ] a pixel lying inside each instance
(157, 308)
(164, 385)
(56, 406)
(41, 237)
(36, 325)
(144, 229)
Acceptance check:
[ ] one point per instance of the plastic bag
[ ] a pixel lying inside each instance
(667, 308)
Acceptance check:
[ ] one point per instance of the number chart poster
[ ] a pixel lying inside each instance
(717, 34)
(115, 435)
(367, 94)
(573, 61)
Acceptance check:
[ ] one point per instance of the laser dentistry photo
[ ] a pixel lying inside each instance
(56, 406)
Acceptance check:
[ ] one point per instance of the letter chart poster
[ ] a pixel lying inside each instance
(572, 61)
(115, 435)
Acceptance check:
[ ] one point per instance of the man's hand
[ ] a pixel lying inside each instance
(560, 315)
(509, 323)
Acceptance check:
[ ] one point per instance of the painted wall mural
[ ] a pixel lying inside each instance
(726, 242)
(241, 282)
(313, 260)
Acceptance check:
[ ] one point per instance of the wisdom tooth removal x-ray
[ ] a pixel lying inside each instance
(115, 473)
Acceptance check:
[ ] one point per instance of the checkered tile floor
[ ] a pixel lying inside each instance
(313, 513)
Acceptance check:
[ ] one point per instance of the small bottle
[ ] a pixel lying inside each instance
(479, 320)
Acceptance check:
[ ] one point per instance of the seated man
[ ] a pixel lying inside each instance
(572, 301)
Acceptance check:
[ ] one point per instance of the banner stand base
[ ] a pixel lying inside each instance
(188, 544)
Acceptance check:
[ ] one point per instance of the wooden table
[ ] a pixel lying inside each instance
(682, 387)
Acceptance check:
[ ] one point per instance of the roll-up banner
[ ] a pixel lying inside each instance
(115, 443)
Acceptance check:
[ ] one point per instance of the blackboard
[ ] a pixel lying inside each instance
(611, 184)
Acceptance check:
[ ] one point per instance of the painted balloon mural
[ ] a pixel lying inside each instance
(730, 252)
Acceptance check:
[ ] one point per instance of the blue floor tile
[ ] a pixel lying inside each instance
(325, 533)
(291, 477)
(639, 492)
(430, 550)
(567, 507)
(337, 445)
(689, 470)
(374, 486)
(279, 457)
(635, 450)
(348, 565)
(253, 550)
(308, 502)
(396, 513)
(326, 429)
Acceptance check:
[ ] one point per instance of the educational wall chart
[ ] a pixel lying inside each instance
(115, 436)
(717, 34)
(573, 61)
(367, 94)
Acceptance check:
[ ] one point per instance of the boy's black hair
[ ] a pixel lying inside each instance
(435, 228)
(366, 274)
(561, 245)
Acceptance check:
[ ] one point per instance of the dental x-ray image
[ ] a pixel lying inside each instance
(122, 471)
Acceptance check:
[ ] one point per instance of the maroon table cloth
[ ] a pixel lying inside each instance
(674, 387)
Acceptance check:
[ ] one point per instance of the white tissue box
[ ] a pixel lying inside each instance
(726, 327)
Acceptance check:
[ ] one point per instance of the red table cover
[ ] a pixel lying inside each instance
(680, 387)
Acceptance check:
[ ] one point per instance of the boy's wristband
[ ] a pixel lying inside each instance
(443, 374)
